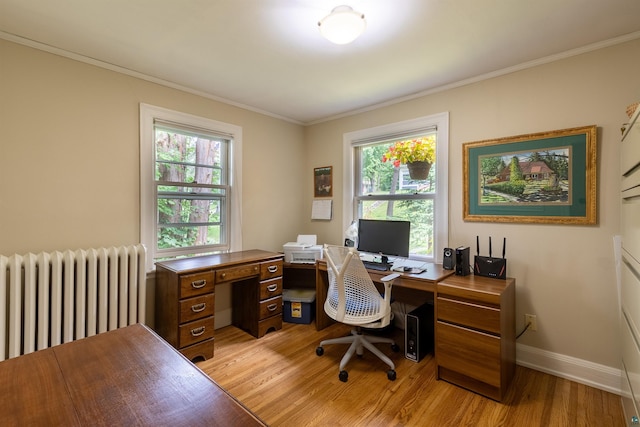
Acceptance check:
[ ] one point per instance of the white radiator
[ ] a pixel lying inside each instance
(53, 298)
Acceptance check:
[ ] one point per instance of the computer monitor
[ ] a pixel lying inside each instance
(384, 237)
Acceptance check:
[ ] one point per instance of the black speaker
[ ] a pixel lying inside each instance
(418, 332)
(462, 261)
(448, 260)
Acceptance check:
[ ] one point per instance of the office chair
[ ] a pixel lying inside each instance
(353, 299)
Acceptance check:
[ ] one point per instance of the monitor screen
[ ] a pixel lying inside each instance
(384, 237)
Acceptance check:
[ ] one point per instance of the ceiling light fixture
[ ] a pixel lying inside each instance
(343, 25)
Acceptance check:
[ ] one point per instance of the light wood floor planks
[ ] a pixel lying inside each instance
(280, 378)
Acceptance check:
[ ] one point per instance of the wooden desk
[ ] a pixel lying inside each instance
(128, 376)
(414, 289)
(185, 297)
(474, 320)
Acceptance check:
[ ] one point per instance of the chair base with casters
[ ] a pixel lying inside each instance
(358, 342)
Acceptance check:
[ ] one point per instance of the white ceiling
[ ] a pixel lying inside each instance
(268, 55)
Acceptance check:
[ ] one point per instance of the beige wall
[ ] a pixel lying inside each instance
(565, 274)
(69, 156)
(69, 172)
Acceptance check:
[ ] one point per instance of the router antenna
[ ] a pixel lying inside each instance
(478, 245)
(504, 247)
(489, 246)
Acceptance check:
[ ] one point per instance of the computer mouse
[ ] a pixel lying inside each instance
(407, 268)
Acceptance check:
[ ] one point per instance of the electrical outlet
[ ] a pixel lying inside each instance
(531, 318)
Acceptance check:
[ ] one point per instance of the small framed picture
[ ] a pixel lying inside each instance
(323, 181)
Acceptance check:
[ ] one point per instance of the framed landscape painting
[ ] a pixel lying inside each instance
(546, 178)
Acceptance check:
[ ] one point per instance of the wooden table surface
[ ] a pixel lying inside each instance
(128, 376)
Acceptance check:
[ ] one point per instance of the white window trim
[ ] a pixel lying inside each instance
(147, 178)
(440, 120)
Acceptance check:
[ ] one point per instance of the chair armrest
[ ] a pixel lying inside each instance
(387, 282)
(390, 277)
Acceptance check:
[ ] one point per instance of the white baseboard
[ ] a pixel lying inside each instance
(581, 371)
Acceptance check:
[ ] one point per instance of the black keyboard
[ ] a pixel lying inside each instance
(370, 265)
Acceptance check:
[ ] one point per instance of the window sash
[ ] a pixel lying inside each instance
(352, 195)
(179, 191)
(150, 114)
(360, 145)
(396, 136)
(395, 197)
(423, 228)
(190, 129)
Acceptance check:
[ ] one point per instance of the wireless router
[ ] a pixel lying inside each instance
(489, 266)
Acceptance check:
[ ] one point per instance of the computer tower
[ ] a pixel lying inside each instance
(418, 332)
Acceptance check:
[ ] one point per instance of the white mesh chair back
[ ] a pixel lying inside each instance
(352, 298)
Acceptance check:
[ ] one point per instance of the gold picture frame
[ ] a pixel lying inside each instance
(540, 178)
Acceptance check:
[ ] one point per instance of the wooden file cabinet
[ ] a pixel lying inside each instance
(475, 333)
(185, 297)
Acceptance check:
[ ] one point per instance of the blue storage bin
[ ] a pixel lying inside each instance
(299, 305)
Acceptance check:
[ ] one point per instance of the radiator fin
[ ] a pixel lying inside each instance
(58, 297)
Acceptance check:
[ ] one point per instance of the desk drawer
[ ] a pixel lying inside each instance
(469, 314)
(472, 353)
(630, 290)
(270, 307)
(271, 269)
(237, 273)
(196, 331)
(270, 288)
(196, 284)
(631, 361)
(629, 214)
(197, 307)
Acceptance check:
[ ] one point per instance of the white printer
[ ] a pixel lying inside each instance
(303, 251)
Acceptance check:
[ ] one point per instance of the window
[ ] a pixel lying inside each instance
(379, 190)
(188, 191)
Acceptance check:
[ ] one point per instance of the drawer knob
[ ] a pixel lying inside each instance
(272, 288)
(197, 331)
(223, 275)
(272, 307)
(197, 308)
(272, 268)
(199, 284)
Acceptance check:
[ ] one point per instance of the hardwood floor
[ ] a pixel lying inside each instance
(280, 378)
